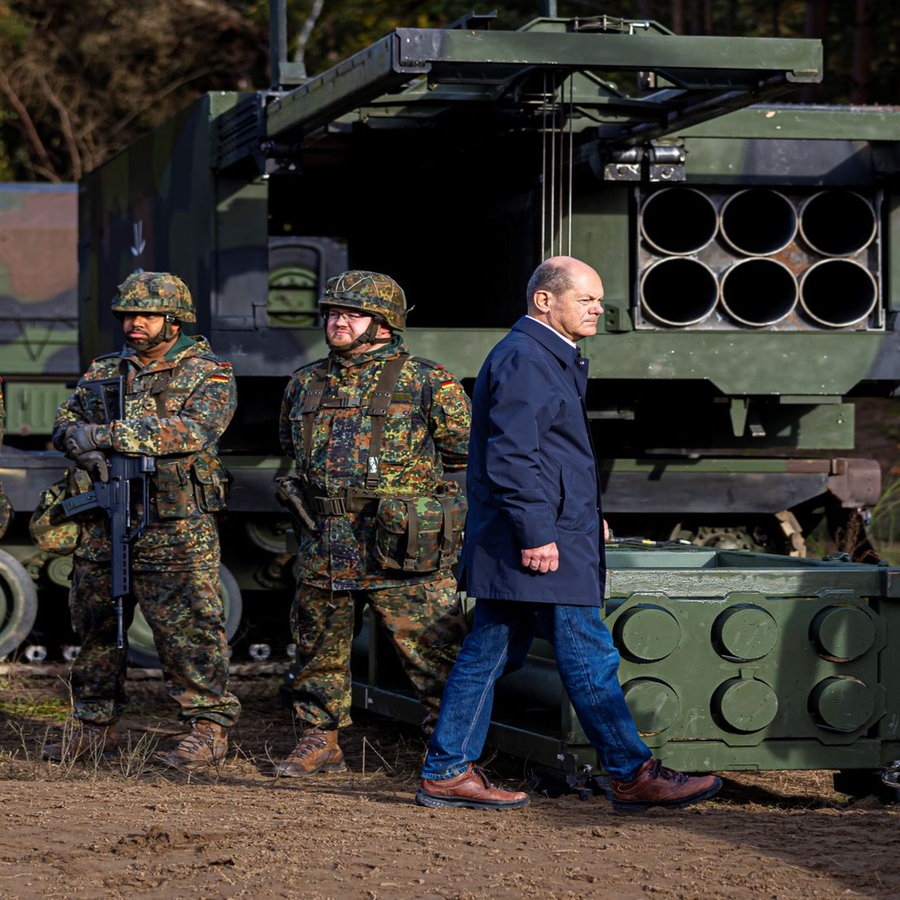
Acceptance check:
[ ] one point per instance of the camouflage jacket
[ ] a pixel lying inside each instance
(426, 433)
(176, 409)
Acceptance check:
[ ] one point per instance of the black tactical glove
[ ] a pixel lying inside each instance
(94, 463)
(80, 439)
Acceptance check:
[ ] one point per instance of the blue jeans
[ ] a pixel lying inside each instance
(587, 661)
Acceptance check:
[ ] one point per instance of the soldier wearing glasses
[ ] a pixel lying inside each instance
(372, 431)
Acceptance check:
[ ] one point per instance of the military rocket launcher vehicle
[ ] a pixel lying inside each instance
(743, 247)
(456, 159)
(744, 244)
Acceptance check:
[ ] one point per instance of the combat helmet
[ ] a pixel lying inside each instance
(160, 293)
(370, 292)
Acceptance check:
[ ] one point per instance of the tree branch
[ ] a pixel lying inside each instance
(31, 134)
(65, 124)
(305, 32)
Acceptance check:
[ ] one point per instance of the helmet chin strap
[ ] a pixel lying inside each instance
(369, 336)
(165, 335)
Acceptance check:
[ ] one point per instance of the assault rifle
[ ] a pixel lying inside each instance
(115, 498)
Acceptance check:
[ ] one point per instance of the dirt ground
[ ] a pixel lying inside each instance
(127, 827)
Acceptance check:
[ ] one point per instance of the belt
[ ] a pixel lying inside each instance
(348, 502)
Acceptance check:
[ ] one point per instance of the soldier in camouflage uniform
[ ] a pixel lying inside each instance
(367, 425)
(179, 398)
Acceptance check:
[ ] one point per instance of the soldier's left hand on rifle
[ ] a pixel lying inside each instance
(84, 450)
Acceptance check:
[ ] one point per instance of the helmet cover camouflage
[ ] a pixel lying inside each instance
(160, 293)
(371, 292)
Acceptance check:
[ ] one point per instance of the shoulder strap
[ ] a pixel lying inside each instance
(312, 402)
(378, 407)
(379, 402)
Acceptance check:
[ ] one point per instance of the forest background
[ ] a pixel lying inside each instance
(79, 82)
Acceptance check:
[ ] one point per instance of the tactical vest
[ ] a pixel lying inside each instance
(413, 534)
(350, 499)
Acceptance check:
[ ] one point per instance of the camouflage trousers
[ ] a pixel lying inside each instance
(423, 622)
(185, 613)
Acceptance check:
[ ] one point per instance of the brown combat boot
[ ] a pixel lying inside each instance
(82, 740)
(472, 789)
(655, 785)
(206, 745)
(318, 751)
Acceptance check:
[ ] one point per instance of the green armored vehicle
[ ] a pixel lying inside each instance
(744, 246)
(737, 325)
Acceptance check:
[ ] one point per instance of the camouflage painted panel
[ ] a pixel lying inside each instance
(39, 279)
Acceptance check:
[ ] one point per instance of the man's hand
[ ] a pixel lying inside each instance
(94, 463)
(541, 559)
(80, 439)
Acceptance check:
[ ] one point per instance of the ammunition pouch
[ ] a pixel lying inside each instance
(185, 487)
(212, 482)
(50, 528)
(420, 534)
(174, 495)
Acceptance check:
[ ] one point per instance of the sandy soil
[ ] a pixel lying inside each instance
(129, 828)
(126, 827)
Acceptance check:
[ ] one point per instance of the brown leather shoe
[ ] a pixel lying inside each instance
(82, 740)
(318, 751)
(206, 745)
(655, 785)
(472, 789)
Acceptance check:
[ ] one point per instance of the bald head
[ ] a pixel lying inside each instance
(566, 294)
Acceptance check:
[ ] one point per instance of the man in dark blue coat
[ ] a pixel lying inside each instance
(533, 556)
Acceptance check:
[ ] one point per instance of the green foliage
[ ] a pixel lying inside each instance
(49, 708)
(82, 81)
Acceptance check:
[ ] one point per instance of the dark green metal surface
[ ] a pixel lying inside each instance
(729, 661)
(737, 330)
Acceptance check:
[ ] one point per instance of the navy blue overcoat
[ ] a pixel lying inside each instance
(532, 474)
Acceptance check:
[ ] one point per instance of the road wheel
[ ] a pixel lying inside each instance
(18, 603)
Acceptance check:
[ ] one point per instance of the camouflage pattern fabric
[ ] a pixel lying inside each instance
(369, 291)
(50, 528)
(184, 611)
(176, 409)
(426, 434)
(424, 622)
(190, 483)
(5, 505)
(155, 292)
